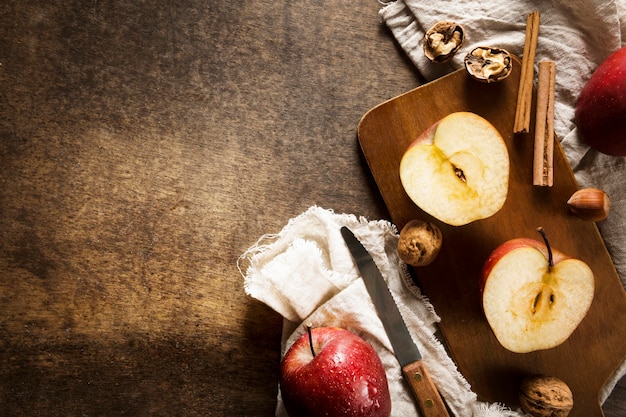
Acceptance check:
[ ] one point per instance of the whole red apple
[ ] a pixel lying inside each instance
(601, 108)
(333, 372)
(533, 297)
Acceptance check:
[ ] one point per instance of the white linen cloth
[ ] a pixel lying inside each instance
(306, 273)
(577, 35)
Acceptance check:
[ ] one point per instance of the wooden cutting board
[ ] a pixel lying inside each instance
(590, 356)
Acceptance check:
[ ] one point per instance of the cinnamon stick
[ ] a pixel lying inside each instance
(525, 92)
(543, 158)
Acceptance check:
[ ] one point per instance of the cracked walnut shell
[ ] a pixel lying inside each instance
(488, 64)
(442, 41)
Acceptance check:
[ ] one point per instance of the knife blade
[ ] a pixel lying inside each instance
(428, 399)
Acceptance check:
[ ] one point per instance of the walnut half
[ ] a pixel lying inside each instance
(545, 396)
(442, 41)
(488, 64)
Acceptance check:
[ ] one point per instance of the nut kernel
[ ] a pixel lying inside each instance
(442, 41)
(488, 64)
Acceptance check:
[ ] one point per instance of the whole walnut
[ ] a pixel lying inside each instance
(545, 396)
(419, 243)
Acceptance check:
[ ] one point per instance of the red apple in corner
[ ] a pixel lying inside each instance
(534, 297)
(457, 170)
(601, 108)
(331, 371)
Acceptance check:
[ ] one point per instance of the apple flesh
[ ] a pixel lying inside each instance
(601, 108)
(344, 377)
(457, 170)
(534, 298)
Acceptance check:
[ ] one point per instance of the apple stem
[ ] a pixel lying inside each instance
(545, 239)
(308, 329)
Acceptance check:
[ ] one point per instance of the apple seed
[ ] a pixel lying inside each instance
(541, 302)
(460, 174)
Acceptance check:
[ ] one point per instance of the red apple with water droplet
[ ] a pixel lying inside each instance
(601, 108)
(330, 371)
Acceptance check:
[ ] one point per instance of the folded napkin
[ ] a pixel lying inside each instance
(306, 273)
(577, 35)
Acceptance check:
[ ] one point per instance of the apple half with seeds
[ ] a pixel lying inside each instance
(457, 170)
(534, 297)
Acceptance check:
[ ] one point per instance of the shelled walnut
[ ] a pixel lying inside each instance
(545, 396)
(442, 41)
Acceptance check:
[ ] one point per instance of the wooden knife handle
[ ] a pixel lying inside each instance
(428, 399)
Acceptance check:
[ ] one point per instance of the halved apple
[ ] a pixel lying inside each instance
(457, 170)
(533, 297)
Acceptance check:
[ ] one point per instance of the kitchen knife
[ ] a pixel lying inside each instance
(428, 399)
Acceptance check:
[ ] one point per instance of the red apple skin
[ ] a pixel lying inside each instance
(427, 137)
(601, 108)
(513, 244)
(345, 378)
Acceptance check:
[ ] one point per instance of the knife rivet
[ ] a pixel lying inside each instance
(429, 403)
(417, 376)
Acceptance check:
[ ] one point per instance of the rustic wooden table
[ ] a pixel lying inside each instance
(144, 147)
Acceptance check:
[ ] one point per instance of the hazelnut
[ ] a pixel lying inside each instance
(488, 64)
(419, 243)
(545, 396)
(442, 41)
(590, 204)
